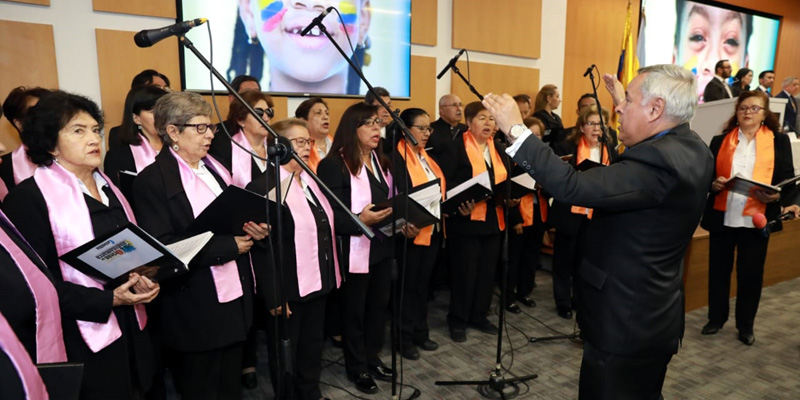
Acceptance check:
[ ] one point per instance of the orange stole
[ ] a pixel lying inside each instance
(526, 208)
(475, 155)
(584, 152)
(762, 170)
(419, 177)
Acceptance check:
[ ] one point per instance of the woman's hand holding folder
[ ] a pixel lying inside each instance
(137, 290)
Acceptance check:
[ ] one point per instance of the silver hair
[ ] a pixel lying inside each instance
(788, 81)
(676, 85)
(178, 108)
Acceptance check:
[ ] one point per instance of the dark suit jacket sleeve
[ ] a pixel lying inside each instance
(633, 183)
(330, 172)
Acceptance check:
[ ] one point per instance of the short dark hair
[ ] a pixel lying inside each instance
(48, 117)
(472, 109)
(523, 98)
(140, 98)
(372, 99)
(146, 78)
(238, 112)
(585, 96)
(345, 142)
(764, 73)
(16, 104)
(239, 80)
(719, 65)
(305, 107)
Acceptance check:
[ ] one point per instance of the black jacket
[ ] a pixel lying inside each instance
(553, 127)
(715, 90)
(442, 135)
(790, 115)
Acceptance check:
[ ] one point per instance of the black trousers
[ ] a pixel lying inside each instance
(751, 252)
(364, 315)
(523, 259)
(305, 330)
(213, 375)
(472, 272)
(614, 377)
(565, 266)
(419, 262)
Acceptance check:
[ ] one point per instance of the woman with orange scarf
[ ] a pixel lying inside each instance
(582, 143)
(475, 235)
(751, 145)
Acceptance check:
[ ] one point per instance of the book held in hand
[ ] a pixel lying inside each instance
(744, 186)
(476, 189)
(423, 204)
(522, 185)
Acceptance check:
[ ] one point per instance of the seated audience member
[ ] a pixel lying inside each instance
(146, 77)
(318, 121)
(765, 81)
(67, 203)
(717, 88)
(16, 166)
(447, 127)
(524, 104)
(741, 82)
(547, 100)
(791, 88)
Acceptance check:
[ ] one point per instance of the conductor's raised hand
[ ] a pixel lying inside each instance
(615, 89)
(504, 109)
(369, 217)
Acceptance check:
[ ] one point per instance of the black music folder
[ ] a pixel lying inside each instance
(227, 214)
(62, 380)
(740, 184)
(588, 164)
(423, 204)
(477, 189)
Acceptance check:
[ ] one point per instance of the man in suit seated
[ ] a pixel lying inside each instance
(647, 202)
(717, 88)
(765, 80)
(791, 86)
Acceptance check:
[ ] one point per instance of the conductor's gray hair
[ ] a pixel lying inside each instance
(676, 85)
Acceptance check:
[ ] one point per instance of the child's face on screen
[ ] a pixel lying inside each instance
(309, 59)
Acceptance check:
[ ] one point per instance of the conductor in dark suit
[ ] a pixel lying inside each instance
(647, 204)
(717, 89)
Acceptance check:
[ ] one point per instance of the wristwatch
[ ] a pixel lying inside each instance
(515, 132)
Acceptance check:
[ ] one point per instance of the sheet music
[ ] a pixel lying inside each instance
(430, 198)
(186, 249)
(482, 179)
(525, 180)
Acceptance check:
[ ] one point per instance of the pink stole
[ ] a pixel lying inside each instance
(3, 190)
(143, 154)
(360, 197)
(23, 167)
(309, 279)
(32, 383)
(226, 276)
(241, 162)
(49, 336)
(71, 226)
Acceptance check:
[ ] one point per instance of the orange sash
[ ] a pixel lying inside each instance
(475, 155)
(314, 159)
(419, 177)
(584, 152)
(526, 208)
(762, 170)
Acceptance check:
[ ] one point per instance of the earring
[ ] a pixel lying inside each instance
(139, 127)
(175, 147)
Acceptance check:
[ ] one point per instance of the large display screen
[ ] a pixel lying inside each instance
(262, 38)
(697, 34)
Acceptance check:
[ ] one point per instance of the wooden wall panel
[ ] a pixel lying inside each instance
(119, 60)
(495, 78)
(27, 60)
(281, 107)
(35, 2)
(493, 28)
(424, 25)
(152, 8)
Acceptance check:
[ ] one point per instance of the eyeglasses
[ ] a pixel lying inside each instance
(593, 124)
(424, 128)
(752, 109)
(459, 105)
(261, 111)
(371, 121)
(202, 128)
(303, 142)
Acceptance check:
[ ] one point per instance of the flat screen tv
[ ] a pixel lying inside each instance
(697, 34)
(262, 38)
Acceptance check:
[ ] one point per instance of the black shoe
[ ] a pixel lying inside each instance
(747, 338)
(410, 352)
(364, 383)
(485, 326)
(711, 328)
(458, 335)
(565, 313)
(513, 308)
(381, 373)
(427, 345)
(527, 301)
(250, 380)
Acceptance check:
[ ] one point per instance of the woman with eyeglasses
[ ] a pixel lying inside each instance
(67, 202)
(137, 133)
(251, 135)
(751, 145)
(315, 112)
(206, 313)
(357, 171)
(583, 143)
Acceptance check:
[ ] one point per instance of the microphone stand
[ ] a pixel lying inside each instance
(366, 231)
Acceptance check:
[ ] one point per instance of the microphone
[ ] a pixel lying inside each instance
(588, 71)
(283, 149)
(764, 227)
(450, 64)
(149, 37)
(316, 21)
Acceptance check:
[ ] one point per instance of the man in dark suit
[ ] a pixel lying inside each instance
(647, 204)
(791, 86)
(447, 127)
(765, 81)
(717, 88)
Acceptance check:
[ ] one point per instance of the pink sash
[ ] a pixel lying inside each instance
(360, 196)
(3, 190)
(143, 155)
(226, 276)
(71, 226)
(23, 167)
(32, 383)
(305, 234)
(49, 336)
(241, 162)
